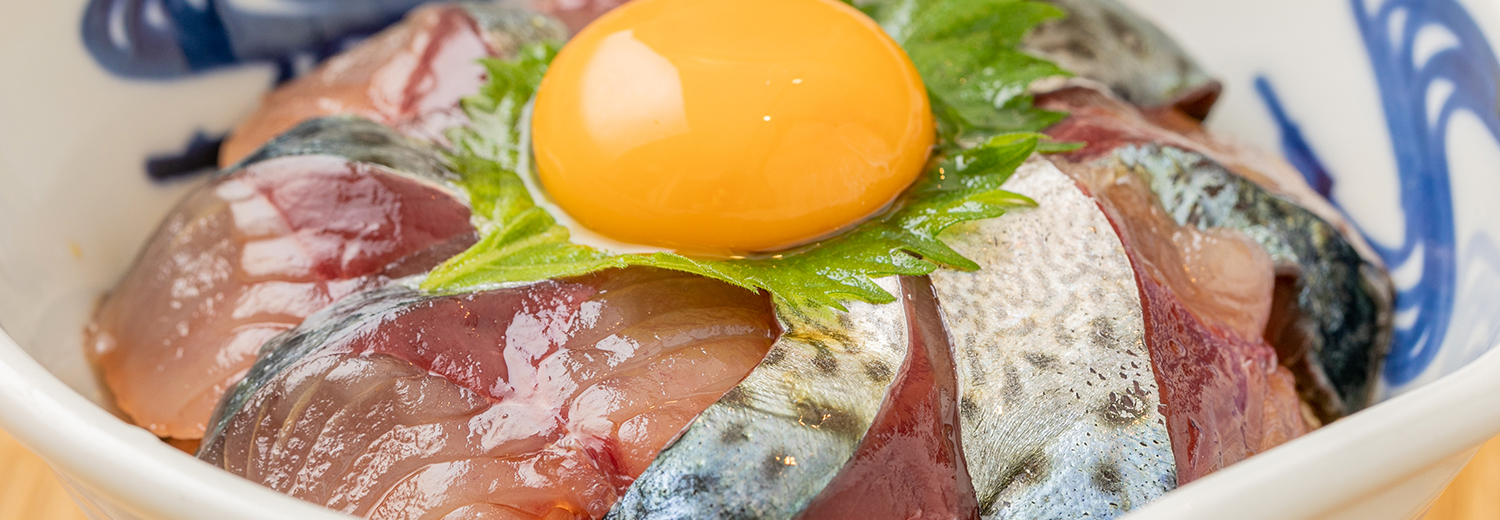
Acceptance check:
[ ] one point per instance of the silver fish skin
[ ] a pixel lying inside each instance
(1059, 404)
(770, 445)
(1345, 301)
(287, 349)
(360, 140)
(337, 206)
(1107, 42)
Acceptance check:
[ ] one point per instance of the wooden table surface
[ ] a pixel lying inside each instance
(28, 491)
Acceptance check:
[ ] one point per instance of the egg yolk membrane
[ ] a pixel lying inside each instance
(729, 126)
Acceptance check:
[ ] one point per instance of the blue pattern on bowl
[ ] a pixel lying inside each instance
(161, 39)
(1419, 135)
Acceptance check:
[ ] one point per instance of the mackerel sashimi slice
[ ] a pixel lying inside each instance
(1331, 318)
(1206, 297)
(257, 249)
(409, 77)
(1060, 408)
(540, 401)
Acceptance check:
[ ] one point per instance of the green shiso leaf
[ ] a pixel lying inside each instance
(965, 50)
(1058, 146)
(488, 152)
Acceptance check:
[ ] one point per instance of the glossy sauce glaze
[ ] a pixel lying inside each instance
(410, 77)
(248, 256)
(541, 401)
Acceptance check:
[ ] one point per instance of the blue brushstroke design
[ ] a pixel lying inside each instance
(1420, 140)
(200, 32)
(200, 155)
(1480, 320)
(164, 39)
(1293, 146)
(167, 39)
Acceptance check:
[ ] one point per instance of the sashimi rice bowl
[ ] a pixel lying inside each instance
(668, 259)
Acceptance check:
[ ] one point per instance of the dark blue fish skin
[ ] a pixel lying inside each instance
(1107, 42)
(1341, 329)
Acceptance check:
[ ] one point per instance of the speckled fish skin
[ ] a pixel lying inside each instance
(1344, 299)
(774, 442)
(1336, 331)
(1104, 41)
(1059, 402)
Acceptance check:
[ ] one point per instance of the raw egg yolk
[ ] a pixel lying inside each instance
(724, 126)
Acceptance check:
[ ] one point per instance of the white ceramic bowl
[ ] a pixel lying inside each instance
(1395, 99)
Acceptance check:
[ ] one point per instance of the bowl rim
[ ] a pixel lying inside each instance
(124, 464)
(1365, 453)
